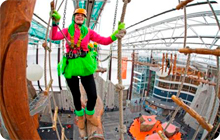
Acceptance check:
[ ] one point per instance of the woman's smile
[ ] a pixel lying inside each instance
(79, 18)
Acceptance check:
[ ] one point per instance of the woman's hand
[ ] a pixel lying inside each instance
(55, 17)
(120, 32)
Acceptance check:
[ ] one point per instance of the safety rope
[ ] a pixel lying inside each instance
(185, 26)
(60, 5)
(122, 127)
(109, 56)
(45, 46)
(183, 78)
(50, 73)
(63, 52)
(54, 101)
(64, 19)
(103, 60)
(172, 118)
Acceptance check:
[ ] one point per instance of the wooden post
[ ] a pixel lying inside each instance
(193, 113)
(62, 134)
(16, 16)
(132, 75)
(166, 60)
(215, 52)
(55, 119)
(162, 63)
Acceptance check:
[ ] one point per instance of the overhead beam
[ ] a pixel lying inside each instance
(158, 43)
(195, 4)
(103, 5)
(89, 8)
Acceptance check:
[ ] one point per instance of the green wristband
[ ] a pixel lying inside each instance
(54, 23)
(113, 37)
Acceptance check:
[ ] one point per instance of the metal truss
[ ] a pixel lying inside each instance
(169, 33)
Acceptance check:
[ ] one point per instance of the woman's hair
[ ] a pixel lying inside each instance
(83, 30)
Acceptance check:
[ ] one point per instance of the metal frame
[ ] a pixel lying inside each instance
(155, 34)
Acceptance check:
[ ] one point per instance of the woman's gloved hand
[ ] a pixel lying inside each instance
(55, 17)
(120, 32)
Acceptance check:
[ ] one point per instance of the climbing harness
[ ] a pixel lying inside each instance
(71, 55)
(56, 117)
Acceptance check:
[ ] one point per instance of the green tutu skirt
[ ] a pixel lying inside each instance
(81, 66)
(94, 54)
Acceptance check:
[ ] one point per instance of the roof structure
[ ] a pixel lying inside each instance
(165, 32)
(37, 32)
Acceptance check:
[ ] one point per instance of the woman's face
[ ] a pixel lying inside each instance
(79, 18)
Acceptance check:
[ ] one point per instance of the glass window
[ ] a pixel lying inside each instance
(190, 98)
(185, 88)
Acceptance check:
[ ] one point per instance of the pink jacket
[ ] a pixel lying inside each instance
(92, 35)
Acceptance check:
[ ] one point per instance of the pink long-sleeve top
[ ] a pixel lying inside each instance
(92, 35)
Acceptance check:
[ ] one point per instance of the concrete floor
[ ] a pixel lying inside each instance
(110, 122)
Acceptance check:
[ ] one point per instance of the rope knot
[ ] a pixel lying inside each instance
(44, 45)
(119, 87)
(123, 129)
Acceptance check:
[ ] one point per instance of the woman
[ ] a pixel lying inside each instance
(78, 62)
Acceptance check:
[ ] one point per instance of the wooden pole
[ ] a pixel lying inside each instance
(62, 133)
(132, 75)
(215, 52)
(166, 60)
(193, 113)
(55, 119)
(162, 63)
(149, 79)
(16, 16)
